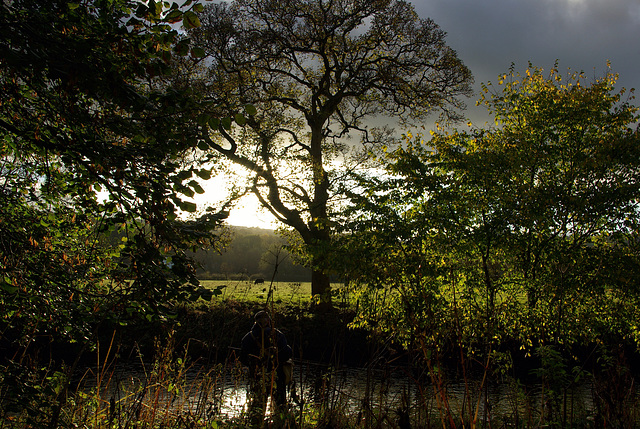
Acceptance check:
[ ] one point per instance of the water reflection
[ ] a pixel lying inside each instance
(220, 392)
(358, 390)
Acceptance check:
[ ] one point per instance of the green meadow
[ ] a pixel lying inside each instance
(289, 293)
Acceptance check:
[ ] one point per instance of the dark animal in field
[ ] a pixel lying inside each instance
(258, 281)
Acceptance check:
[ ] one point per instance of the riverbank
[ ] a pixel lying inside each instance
(185, 367)
(345, 375)
(211, 332)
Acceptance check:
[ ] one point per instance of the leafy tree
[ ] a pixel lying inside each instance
(522, 228)
(318, 73)
(563, 166)
(87, 108)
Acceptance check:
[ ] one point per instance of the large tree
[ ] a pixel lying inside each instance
(320, 72)
(528, 228)
(524, 233)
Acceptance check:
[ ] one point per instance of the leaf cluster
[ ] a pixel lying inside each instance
(98, 160)
(524, 232)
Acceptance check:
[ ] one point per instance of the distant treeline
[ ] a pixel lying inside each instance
(252, 253)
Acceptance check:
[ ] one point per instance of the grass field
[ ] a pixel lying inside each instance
(282, 292)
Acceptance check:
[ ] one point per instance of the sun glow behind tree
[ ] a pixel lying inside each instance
(316, 72)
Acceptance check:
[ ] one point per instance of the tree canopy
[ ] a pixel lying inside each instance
(94, 170)
(524, 231)
(318, 74)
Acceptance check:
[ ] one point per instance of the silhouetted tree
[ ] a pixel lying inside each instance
(318, 72)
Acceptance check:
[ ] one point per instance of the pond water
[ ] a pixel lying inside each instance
(354, 390)
(220, 392)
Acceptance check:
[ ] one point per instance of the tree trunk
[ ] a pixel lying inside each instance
(319, 224)
(321, 286)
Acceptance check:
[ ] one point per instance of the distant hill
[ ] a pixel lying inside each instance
(251, 254)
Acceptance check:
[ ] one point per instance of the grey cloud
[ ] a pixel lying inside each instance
(489, 35)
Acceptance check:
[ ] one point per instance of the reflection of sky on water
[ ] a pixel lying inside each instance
(351, 389)
(234, 401)
(222, 393)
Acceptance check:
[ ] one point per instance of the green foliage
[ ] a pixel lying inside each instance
(516, 232)
(94, 167)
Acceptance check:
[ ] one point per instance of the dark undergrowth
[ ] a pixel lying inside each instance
(184, 374)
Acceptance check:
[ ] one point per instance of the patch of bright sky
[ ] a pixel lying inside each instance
(247, 211)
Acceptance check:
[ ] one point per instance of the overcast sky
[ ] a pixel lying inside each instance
(489, 35)
(582, 35)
